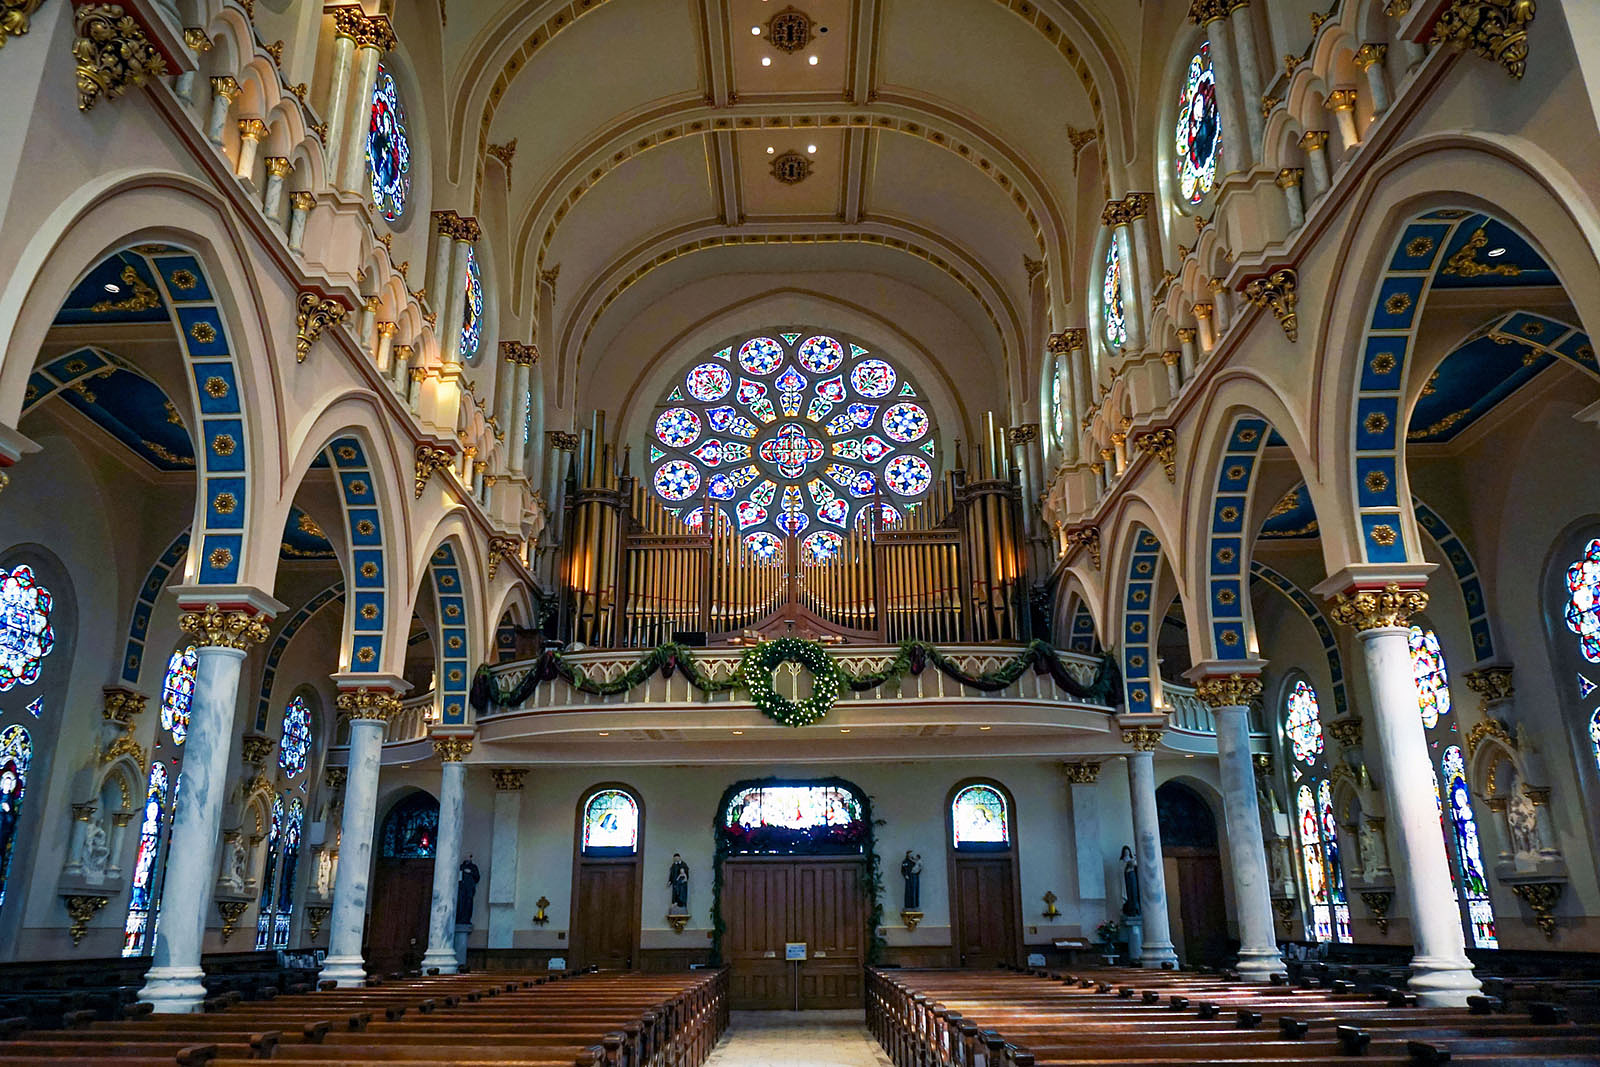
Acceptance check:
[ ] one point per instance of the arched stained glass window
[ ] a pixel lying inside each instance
(1469, 856)
(296, 740)
(411, 829)
(1111, 309)
(1433, 681)
(1312, 862)
(177, 693)
(277, 879)
(1198, 137)
(388, 149)
(1330, 853)
(16, 752)
(792, 435)
(26, 637)
(611, 823)
(1303, 724)
(472, 307)
(978, 818)
(269, 873)
(1057, 408)
(1575, 600)
(1582, 613)
(138, 930)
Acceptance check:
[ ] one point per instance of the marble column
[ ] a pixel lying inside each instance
(1157, 950)
(1076, 343)
(1369, 59)
(1244, 41)
(272, 200)
(505, 376)
(1118, 217)
(1174, 382)
(503, 856)
(300, 205)
(1211, 16)
(1143, 258)
(338, 104)
(1441, 973)
(386, 331)
(452, 750)
(1230, 695)
(251, 133)
(353, 156)
(1186, 336)
(516, 434)
(369, 708)
(1342, 102)
(1289, 181)
(452, 302)
(1202, 319)
(221, 639)
(223, 91)
(1315, 144)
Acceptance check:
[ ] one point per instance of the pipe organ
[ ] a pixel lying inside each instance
(636, 574)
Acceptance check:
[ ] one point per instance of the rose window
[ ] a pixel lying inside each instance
(793, 435)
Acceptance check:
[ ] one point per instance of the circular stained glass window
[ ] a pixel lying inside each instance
(1111, 310)
(388, 149)
(1198, 137)
(1303, 723)
(793, 434)
(472, 311)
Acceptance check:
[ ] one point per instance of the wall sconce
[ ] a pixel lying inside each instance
(539, 917)
(1050, 909)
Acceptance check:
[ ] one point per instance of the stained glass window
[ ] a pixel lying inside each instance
(1198, 137)
(411, 829)
(1433, 681)
(791, 818)
(177, 693)
(268, 873)
(1116, 321)
(388, 149)
(136, 931)
(1583, 602)
(611, 823)
(1330, 846)
(1469, 855)
(472, 309)
(277, 879)
(296, 741)
(978, 818)
(1313, 863)
(1303, 725)
(25, 633)
(795, 433)
(1057, 409)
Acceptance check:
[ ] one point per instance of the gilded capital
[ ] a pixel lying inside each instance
(335, 777)
(1346, 731)
(1229, 691)
(1143, 738)
(1369, 55)
(1289, 177)
(367, 31)
(1204, 309)
(1493, 684)
(378, 705)
(503, 548)
(1186, 335)
(1115, 213)
(1137, 205)
(302, 201)
(122, 706)
(1205, 12)
(1171, 356)
(430, 460)
(452, 749)
(1021, 435)
(211, 627)
(508, 779)
(279, 166)
(252, 129)
(1342, 100)
(1085, 773)
(1278, 292)
(225, 86)
(562, 440)
(1314, 140)
(255, 748)
(1086, 537)
(1373, 609)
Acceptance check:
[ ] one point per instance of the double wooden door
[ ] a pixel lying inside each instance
(985, 908)
(605, 923)
(767, 904)
(1194, 885)
(402, 894)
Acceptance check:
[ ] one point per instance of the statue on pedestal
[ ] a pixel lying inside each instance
(1130, 882)
(678, 882)
(466, 890)
(911, 871)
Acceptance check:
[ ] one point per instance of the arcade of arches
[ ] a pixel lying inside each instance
(514, 485)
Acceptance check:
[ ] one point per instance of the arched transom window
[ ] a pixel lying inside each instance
(793, 434)
(1198, 136)
(611, 823)
(978, 818)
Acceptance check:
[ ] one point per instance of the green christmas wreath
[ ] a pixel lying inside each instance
(758, 663)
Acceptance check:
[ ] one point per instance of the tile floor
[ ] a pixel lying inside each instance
(797, 1039)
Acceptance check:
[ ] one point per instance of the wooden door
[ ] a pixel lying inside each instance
(397, 937)
(770, 903)
(828, 915)
(985, 910)
(1198, 890)
(605, 922)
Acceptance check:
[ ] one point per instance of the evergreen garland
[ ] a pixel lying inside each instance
(912, 657)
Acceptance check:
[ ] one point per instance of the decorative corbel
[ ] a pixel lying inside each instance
(1085, 537)
(429, 460)
(1276, 291)
(503, 548)
(313, 314)
(1541, 897)
(1494, 29)
(113, 52)
(16, 18)
(230, 910)
(82, 909)
(1377, 902)
(1163, 445)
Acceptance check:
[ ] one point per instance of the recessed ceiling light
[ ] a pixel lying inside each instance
(986, 727)
(605, 733)
(1188, 755)
(811, 148)
(113, 287)
(766, 61)
(770, 150)
(1497, 251)
(755, 31)
(812, 61)
(844, 729)
(737, 732)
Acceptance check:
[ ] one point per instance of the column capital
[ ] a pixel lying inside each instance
(452, 748)
(252, 129)
(1186, 335)
(1372, 609)
(225, 86)
(1205, 12)
(302, 201)
(1137, 205)
(334, 777)
(377, 705)
(1143, 738)
(562, 440)
(1346, 731)
(508, 779)
(1067, 341)
(1289, 177)
(1314, 140)
(1492, 682)
(1227, 683)
(1115, 213)
(225, 616)
(367, 31)
(1085, 773)
(122, 705)
(1341, 100)
(279, 166)
(1369, 55)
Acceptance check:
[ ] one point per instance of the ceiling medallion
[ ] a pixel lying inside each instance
(791, 168)
(789, 30)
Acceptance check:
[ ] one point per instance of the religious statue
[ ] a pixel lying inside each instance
(1374, 857)
(324, 872)
(911, 871)
(1130, 882)
(466, 889)
(1522, 819)
(96, 851)
(678, 882)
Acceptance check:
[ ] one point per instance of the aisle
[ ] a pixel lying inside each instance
(798, 1039)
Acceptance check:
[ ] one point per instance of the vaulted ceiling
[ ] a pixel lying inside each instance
(682, 163)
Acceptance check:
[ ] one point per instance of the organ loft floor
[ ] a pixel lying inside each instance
(797, 1039)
